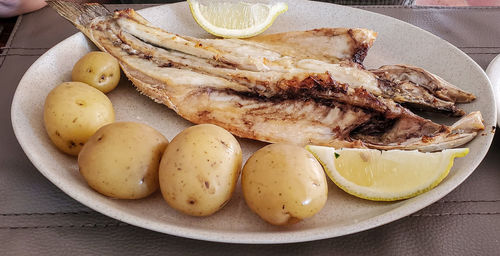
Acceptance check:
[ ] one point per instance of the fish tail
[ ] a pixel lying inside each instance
(80, 14)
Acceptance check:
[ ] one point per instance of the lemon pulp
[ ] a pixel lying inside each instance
(385, 175)
(235, 19)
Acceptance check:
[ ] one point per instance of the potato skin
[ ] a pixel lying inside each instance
(284, 184)
(73, 112)
(98, 69)
(200, 169)
(121, 160)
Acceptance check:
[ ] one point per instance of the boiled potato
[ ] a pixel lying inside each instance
(98, 69)
(121, 160)
(284, 184)
(73, 112)
(199, 170)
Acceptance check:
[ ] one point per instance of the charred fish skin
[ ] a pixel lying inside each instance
(421, 89)
(260, 94)
(433, 83)
(461, 132)
(416, 97)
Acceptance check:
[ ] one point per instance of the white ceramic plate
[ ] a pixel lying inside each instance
(398, 42)
(493, 72)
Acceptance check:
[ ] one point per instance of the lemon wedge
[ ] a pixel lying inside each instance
(231, 19)
(385, 175)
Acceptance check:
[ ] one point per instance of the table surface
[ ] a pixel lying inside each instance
(36, 218)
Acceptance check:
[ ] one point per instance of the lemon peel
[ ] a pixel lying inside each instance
(385, 175)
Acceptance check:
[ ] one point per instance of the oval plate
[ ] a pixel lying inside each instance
(397, 42)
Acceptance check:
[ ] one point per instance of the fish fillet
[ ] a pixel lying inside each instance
(259, 62)
(409, 85)
(331, 45)
(257, 91)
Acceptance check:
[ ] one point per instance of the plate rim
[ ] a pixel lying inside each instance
(278, 237)
(495, 82)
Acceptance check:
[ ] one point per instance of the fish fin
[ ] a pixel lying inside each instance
(473, 122)
(80, 14)
(436, 85)
(460, 133)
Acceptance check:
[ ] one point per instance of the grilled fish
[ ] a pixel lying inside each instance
(333, 45)
(255, 90)
(414, 87)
